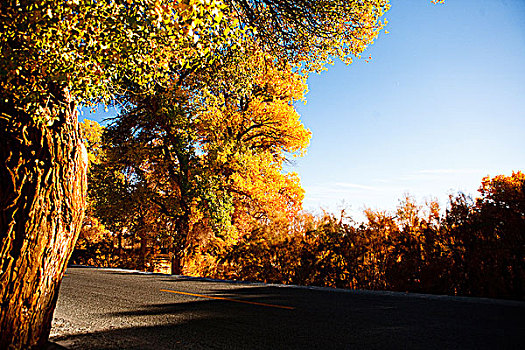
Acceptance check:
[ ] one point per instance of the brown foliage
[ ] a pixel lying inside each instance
(474, 248)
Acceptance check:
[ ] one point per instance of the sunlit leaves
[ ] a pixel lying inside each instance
(504, 191)
(90, 47)
(474, 248)
(309, 34)
(91, 133)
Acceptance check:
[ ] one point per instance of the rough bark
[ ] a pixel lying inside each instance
(181, 243)
(42, 198)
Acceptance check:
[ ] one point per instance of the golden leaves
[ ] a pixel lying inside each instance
(91, 47)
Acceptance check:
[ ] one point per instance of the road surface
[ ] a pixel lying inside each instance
(112, 309)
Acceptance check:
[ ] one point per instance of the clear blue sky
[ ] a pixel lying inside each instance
(440, 105)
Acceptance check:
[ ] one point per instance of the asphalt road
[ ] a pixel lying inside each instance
(110, 309)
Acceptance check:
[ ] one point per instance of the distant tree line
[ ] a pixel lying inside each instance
(476, 248)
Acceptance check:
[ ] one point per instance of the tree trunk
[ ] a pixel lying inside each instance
(142, 265)
(180, 244)
(42, 198)
(176, 264)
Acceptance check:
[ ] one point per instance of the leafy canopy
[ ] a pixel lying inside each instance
(94, 49)
(91, 47)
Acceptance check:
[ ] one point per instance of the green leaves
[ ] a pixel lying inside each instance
(92, 47)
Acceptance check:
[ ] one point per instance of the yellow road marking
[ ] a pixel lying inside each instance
(228, 299)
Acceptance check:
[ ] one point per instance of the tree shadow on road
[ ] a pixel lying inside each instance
(320, 320)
